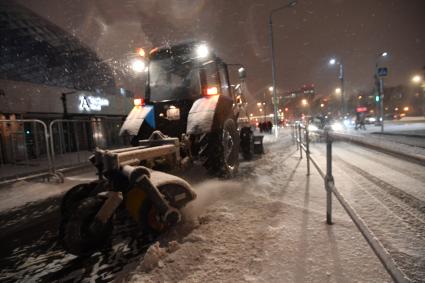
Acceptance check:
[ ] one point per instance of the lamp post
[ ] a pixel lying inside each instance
(333, 61)
(380, 88)
(418, 80)
(275, 106)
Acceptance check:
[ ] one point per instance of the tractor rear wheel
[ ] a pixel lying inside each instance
(222, 152)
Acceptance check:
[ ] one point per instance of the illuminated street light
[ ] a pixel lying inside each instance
(304, 102)
(261, 109)
(259, 104)
(270, 88)
(138, 65)
(406, 108)
(322, 105)
(338, 90)
(380, 90)
(416, 79)
(332, 62)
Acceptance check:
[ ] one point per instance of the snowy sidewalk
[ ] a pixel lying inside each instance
(266, 226)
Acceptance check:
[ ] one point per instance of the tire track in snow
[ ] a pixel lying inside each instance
(398, 226)
(398, 193)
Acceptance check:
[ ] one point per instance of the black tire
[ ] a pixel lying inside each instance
(247, 143)
(83, 234)
(222, 154)
(72, 199)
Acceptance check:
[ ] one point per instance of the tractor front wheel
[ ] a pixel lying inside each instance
(83, 233)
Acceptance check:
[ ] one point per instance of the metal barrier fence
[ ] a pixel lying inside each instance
(303, 144)
(73, 141)
(28, 147)
(24, 148)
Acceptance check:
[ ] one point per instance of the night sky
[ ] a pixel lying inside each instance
(306, 36)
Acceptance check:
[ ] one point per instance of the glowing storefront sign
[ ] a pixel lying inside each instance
(92, 103)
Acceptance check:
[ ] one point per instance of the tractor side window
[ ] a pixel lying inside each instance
(224, 80)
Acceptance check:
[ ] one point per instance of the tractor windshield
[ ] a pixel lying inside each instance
(173, 78)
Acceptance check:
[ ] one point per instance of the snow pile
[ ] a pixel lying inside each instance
(153, 257)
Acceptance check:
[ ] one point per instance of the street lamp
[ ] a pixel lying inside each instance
(380, 89)
(288, 5)
(341, 91)
(417, 79)
(338, 90)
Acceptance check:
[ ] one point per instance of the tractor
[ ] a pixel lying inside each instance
(190, 112)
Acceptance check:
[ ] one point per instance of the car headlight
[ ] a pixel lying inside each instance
(372, 119)
(337, 127)
(312, 128)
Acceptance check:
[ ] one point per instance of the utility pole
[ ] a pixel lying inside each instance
(275, 101)
(381, 101)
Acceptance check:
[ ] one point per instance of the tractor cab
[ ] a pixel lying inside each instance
(177, 76)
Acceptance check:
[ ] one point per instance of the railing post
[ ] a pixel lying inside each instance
(307, 145)
(301, 140)
(329, 179)
(296, 135)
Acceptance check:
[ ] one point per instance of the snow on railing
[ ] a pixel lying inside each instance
(298, 131)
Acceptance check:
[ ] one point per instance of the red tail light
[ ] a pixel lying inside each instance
(139, 102)
(211, 91)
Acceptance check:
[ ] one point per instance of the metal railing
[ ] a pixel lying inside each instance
(25, 149)
(31, 148)
(303, 144)
(73, 141)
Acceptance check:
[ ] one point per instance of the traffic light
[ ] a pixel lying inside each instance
(377, 98)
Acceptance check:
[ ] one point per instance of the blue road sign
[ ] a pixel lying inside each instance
(383, 72)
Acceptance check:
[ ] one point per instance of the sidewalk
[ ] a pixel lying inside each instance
(41, 165)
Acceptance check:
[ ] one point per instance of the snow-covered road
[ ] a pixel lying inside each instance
(267, 225)
(389, 195)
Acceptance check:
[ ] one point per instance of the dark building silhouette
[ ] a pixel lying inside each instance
(34, 50)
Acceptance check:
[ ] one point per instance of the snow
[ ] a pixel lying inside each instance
(23, 192)
(265, 226)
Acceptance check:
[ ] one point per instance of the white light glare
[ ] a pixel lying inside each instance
(202, 51)
(332, 61)
(384, 54)
(312, 128)
(416, 79)
(138, 65)
(337, 127)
